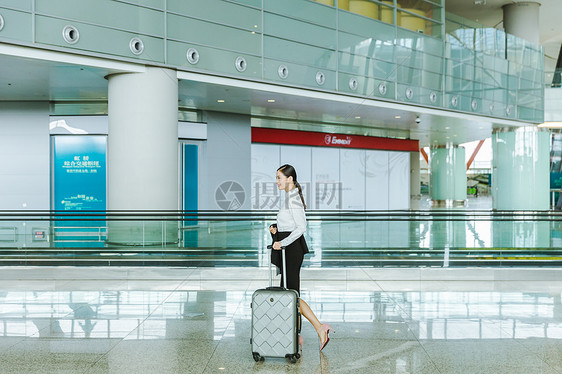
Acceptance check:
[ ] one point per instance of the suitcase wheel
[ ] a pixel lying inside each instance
(257, 357)
(293, 359)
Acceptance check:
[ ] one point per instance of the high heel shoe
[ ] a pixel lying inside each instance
(326, 329)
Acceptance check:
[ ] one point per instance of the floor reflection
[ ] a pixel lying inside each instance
(207, 331)
(209, 314)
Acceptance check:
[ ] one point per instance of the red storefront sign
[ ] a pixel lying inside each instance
(320, 139)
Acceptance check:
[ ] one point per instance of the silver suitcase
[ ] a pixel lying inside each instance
(275, 321)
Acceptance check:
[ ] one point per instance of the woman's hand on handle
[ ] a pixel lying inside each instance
(277, 246)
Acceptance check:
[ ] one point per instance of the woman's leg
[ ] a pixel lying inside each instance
(309, 314)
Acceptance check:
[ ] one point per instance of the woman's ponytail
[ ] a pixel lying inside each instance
(300, 194)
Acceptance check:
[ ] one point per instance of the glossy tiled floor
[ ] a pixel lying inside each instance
(197, 320)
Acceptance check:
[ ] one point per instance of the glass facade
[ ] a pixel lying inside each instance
(407, 51)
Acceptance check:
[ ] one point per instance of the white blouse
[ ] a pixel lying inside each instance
(291, 217)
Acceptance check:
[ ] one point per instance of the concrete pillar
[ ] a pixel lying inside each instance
(520, 169)
(522, 20)
(143, 152)
(447, 178)
(415, 188)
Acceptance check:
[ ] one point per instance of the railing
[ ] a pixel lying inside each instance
(336, 238)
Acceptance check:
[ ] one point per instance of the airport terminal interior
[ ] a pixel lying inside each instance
(139, 145)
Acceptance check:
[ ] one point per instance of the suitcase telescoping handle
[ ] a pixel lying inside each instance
(284, 276)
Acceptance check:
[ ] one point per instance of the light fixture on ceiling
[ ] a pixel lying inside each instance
(551, 125)
(397, 117)
(220, 101)
(479, 2)
(357, 117)
(270, 101)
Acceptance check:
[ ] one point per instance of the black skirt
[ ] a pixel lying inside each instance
(294, 256)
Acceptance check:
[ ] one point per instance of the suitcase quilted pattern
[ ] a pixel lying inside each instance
(274, 323)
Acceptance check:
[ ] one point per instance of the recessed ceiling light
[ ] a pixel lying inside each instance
(397, 117)
(479, 2)
(270, 101)
(357, 117)
(220, 101)
(447, 128)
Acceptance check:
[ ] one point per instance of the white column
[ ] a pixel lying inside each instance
(522, 20)
(520, 169)
(143, 140)
(447, 178)
(142, 154)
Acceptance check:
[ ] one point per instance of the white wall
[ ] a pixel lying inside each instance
(229, 141)
(24, 156)
(334, 178)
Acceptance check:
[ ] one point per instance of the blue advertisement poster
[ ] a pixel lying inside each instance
(80, 172)
(79, 185)
(190, 192)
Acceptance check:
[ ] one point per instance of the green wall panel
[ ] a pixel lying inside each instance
(419, 60)
(299, 75)
(222, 12)
(97, 39)
(419, 78)
(158, 4)
(370, 47)
(213, 60)
(310, 11)
(365, 86)
(366, 27)
(107, 13)
(254, 3)
(419, 42)
(299, 31)
(285, 50)
(356, 44)
(526, 113)
(213, 35)
(307, 37)
(532, 74)
(24, 5)
(421, 95)
(359, 65)
(17, 25)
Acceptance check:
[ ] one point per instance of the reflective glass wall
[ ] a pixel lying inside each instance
(399, 50)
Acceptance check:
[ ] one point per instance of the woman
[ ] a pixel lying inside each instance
(288, 232)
